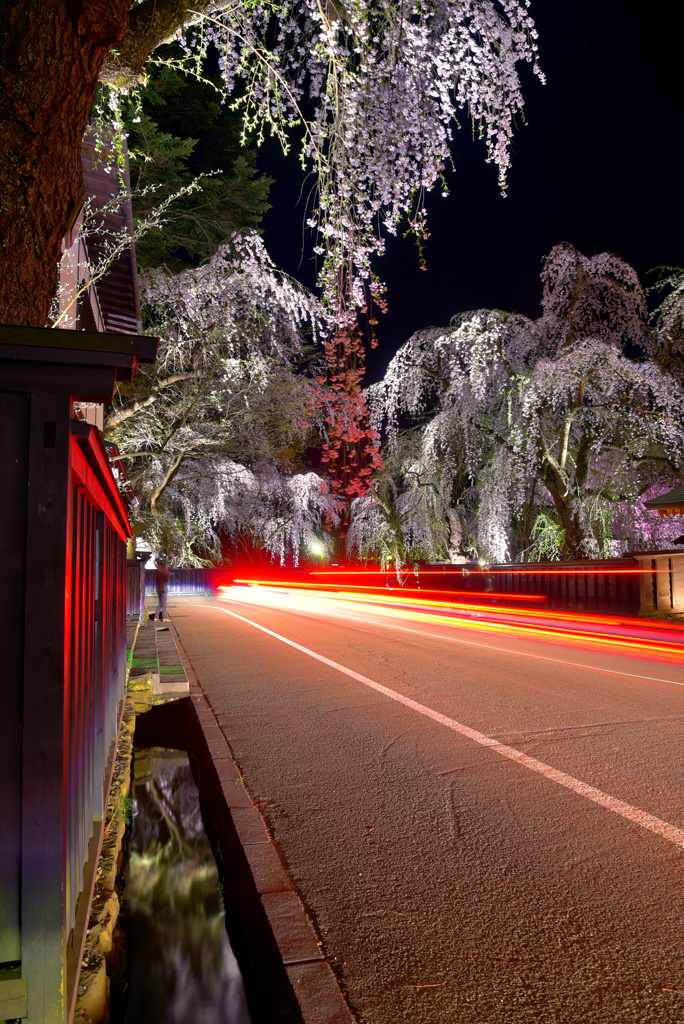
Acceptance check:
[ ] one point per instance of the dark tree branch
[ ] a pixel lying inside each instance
(151, 24)
(125, 413)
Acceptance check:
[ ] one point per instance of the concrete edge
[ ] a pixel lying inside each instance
(243, 837)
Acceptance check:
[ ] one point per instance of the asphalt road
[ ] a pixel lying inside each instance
(498, 838)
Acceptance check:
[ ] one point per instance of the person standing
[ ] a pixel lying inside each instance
(161, 579)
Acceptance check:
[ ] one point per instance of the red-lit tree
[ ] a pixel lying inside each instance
(350, 449)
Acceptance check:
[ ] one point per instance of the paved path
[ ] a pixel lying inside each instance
(495, 836)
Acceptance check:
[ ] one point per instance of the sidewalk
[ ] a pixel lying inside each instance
(155, 651)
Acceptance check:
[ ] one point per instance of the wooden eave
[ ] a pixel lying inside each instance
(670, 504)
(120, 353)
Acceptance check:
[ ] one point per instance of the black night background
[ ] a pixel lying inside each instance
(598, 164)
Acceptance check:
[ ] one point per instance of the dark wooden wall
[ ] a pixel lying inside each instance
(14, 432)
(63, 533)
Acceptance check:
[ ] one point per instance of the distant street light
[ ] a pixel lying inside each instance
(317, 548)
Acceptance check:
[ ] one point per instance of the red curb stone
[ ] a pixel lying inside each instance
(291, 927)
(226, 769)
(212, 733)
(268, 873)
(249, 826)
(235, 794)
(218, 749)
(319, 995)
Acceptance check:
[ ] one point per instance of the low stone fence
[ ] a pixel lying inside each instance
(646, 582)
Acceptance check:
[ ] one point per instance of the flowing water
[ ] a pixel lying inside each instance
(180, 965)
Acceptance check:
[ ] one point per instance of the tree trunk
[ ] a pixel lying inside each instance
(579, 541)
(456, 556)
(51, 53)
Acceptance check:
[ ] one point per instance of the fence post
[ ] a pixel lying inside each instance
(661, 581)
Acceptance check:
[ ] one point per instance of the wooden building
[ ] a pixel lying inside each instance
(662, 584)
(63, 615)
(86, 300)
(670, 504)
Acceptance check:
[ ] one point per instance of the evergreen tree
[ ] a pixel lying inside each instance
(177, 130)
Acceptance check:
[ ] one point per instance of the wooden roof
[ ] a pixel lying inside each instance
(670, 504)
(84, 365)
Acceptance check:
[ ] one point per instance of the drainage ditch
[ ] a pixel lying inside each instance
(179, 965)
(193, 943)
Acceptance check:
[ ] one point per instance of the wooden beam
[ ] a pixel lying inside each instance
(43, 923)
(13, 997)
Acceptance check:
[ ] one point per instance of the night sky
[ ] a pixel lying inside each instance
(599, 164)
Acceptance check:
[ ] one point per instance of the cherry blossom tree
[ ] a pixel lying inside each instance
(410, 512)
(224, 395)
(552, 420)
(668, 321)
(215, 505)
(374, 89)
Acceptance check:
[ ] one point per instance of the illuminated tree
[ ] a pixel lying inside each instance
(224, 397)
(668, 322)
(552, 421)
(376, 87)
(216, 505)
(406, 516)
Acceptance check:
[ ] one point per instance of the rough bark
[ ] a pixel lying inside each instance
(456, 556)
(51, 53)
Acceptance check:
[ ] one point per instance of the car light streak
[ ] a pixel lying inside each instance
(355, 587)
(634, 638)
(484, 571)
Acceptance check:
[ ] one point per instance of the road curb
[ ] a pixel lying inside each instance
(281, 942)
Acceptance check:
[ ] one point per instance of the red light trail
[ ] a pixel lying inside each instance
(478, 612)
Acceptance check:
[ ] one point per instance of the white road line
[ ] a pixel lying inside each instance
(597, 796)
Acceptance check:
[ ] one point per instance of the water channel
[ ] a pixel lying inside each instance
(180, 967)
